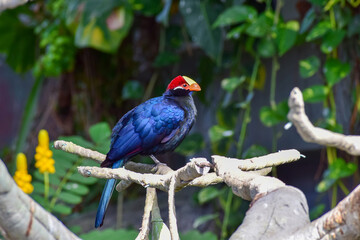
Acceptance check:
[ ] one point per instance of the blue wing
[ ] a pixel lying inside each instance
(145, 129)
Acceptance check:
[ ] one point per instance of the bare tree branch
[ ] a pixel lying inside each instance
(342, 222)
(149, 202)
(244, 184)
(270, 160)
(309, 133)
(22, 218)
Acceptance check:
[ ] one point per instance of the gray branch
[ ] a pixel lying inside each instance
(309, 133)
(22, 218)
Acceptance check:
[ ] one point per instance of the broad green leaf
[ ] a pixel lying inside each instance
(308, 20)
(133, 90)
(286, 36)
(236, 32)
(318, 31)
(76, 188)
(261, 26)
(76, 177)
(69, 197)
(340, 169)
(103, 26)
(195, 14)
(309, 66)
(100, 132)
(266, 47)
(63, 158)
(335, 70)
(192, 144)
(270, 117)
(204, 219)
(207, 194)
(110, 234)
(217, 133)
(193, 234)
(17, 40)
(230, 84)
(315, 93)
(62, 209)
(255, 151)
(235, 14)
(331, 40)
(325, 185)
(103, 147)
(317, 211)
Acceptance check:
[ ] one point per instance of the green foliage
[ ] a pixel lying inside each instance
(67, 187)
(192, 144)
(315, 93)
(110, 234)
(207, 194)
(193, 234)
(204, 219)
(286, 36)
(271, 117)
(317, 211)
(230, 84)
(337, 170)
(199, 13)
(132, 90)
(335, 70)
(17, 39)
(235, 14)
(309, 66)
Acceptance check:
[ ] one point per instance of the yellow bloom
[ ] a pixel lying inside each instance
(43, 156)
(21, 177)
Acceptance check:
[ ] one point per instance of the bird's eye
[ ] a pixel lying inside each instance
(184, 85)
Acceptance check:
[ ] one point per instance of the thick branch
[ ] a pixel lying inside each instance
(270, 160)
(342, 222)
(22, 218)
(197, 167)
(309, 133)
(244, 184)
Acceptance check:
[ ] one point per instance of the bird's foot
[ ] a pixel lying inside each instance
(156, 161)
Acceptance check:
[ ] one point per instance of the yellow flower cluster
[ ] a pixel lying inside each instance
(21, 177)
(43, 155)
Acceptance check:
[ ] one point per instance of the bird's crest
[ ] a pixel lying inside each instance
(183, 82)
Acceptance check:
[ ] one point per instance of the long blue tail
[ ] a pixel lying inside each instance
(105, 197)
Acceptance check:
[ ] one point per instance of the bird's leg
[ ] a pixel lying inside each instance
(156, 161)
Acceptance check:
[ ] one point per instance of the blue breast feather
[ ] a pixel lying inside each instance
(147, 129)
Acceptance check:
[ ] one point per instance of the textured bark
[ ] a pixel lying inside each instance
(22, 218)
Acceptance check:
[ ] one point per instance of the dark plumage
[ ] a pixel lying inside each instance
(156, 126)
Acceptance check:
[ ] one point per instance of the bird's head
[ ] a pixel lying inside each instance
(182, 86)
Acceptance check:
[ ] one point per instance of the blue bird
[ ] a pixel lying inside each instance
(156, 126)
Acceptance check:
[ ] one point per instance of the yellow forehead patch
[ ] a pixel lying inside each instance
(188, 80)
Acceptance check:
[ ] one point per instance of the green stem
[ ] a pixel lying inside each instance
(46, 189)
(343, 187)
(332, 104)
(246, 118)
(226, 215)
(334, 196)
(275, 68)
(63, 182)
